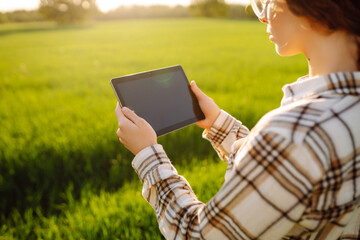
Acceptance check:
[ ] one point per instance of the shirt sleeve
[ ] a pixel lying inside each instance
(263, 197)
(223, 133)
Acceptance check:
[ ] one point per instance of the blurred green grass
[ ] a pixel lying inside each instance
(58, 149)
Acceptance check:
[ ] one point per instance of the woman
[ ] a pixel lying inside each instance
(296, 174)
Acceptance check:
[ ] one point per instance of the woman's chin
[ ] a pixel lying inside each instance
(279, 51)
(283, 50)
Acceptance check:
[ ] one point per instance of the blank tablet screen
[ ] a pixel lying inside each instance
(162, 97)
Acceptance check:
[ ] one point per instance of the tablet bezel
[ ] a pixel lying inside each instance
(198, 114)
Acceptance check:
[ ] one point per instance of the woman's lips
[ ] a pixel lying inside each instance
(271, 38)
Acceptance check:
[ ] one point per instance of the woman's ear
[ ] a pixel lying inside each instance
(306, 24)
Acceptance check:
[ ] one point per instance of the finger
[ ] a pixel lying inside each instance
(196, 90)
(118, 133)
(122, 141)
(118, 112)
(122, 119)
(131, 115)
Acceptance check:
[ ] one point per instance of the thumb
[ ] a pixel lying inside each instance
(131, 115)
(197, 91)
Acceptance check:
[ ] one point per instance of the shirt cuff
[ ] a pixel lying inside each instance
(220, 128)
(153, 165)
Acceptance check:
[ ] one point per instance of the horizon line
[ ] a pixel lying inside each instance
(105, 10)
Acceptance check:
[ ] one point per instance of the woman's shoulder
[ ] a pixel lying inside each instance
(302, 118)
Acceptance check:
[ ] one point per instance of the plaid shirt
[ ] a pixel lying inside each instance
(295, 175)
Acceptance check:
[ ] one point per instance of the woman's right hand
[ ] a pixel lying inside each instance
(207, 105)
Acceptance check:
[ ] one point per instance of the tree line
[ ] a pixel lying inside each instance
(75, 11)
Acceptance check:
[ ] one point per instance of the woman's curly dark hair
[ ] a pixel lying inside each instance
(336, 14)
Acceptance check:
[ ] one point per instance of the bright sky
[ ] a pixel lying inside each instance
(104, 5)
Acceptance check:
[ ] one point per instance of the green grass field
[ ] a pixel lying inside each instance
(63, 173)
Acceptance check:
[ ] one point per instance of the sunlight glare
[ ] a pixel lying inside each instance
(104, 5)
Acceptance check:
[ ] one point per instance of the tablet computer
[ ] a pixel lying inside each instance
(162, 97)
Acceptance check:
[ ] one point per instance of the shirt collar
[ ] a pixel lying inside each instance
(341, 83)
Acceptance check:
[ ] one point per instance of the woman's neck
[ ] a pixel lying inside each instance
(336, 52)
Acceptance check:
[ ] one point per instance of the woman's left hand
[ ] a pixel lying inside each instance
(134, 132)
